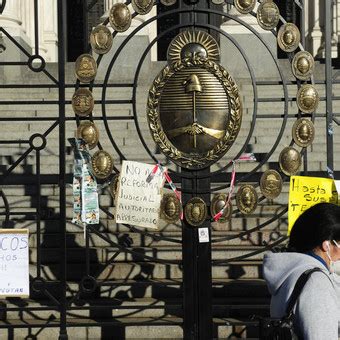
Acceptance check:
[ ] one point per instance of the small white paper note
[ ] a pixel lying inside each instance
(337, 186)
(14, 267)
(203, 235)
(138, 202)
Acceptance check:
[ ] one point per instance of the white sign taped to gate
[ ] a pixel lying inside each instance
(138, 202)
(14, 263)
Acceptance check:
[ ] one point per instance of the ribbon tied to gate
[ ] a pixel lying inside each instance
(244, 157)
(165, 173)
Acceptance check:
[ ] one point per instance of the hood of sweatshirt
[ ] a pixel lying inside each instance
(280, 268)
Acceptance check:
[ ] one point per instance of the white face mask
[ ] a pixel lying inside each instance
(331, 262)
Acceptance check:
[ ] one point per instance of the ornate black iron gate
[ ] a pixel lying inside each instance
(63, 290)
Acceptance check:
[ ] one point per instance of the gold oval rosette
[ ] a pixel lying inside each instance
(194, 111)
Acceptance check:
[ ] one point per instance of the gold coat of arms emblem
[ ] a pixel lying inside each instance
(194, 108)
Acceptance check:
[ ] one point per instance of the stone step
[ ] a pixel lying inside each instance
(144, 308)
(246, 269)
(127, 328)
(76, 254)
(240, 292)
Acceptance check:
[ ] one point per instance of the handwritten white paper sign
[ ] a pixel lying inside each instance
(14, 263)
(138, 202)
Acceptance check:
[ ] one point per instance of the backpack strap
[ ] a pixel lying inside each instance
(300, 283)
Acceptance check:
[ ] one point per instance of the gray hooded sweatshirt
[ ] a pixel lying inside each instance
(317, 311)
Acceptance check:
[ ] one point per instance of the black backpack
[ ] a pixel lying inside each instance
(283, 328)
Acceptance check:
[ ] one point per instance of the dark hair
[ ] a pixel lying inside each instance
(319, 223)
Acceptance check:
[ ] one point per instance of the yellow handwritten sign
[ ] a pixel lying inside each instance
(304, 192)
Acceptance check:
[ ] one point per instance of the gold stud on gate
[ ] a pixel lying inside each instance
(170, 208)
(271, 184)
(290, 161)
(142, 6)
(101, 39)
(303, 65)
(85, 68)
(88, 131)
(217, 204)
(120, 17)
(195, 211)
(268, 15)
(82, 102)
(246, 199)
(113, 188)
(307, 98)
(244, 6)
(102, 164)
(303, 132)
(288, 37)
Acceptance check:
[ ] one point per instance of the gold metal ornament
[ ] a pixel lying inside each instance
(271, 184)
(168, 2)
(88, 131)
(190, 44)
(303, 132)
(142, 6)
(290, 161)
(101, 39)
(217, 204)
(170, 208)
(102, 164)
(268, 15)
(244, 6)
(82, 102)
(113, 187)
(246, 199)
(288, 37)
(195, 211)
(85, 68)
(303, 65)
(120, 17)
(307, 98)
(194, 112)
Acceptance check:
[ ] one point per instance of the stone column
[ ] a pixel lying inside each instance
(11, 21)
(49, 28)
(316, 35)
(321, 49)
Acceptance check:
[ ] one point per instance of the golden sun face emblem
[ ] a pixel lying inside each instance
(189, 44)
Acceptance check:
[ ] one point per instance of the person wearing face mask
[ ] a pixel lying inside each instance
(314, 242)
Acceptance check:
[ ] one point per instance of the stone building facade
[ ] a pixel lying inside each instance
(18, 20)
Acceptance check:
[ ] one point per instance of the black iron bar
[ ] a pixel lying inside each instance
(328, 74)
(7, 212)
(56, 102)
(13, 166)
(62, 178)
(14, 141)
(38, 216)
(36, 27)
(87, 249)
(55, 86)
(13, 63)
(37, 119)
